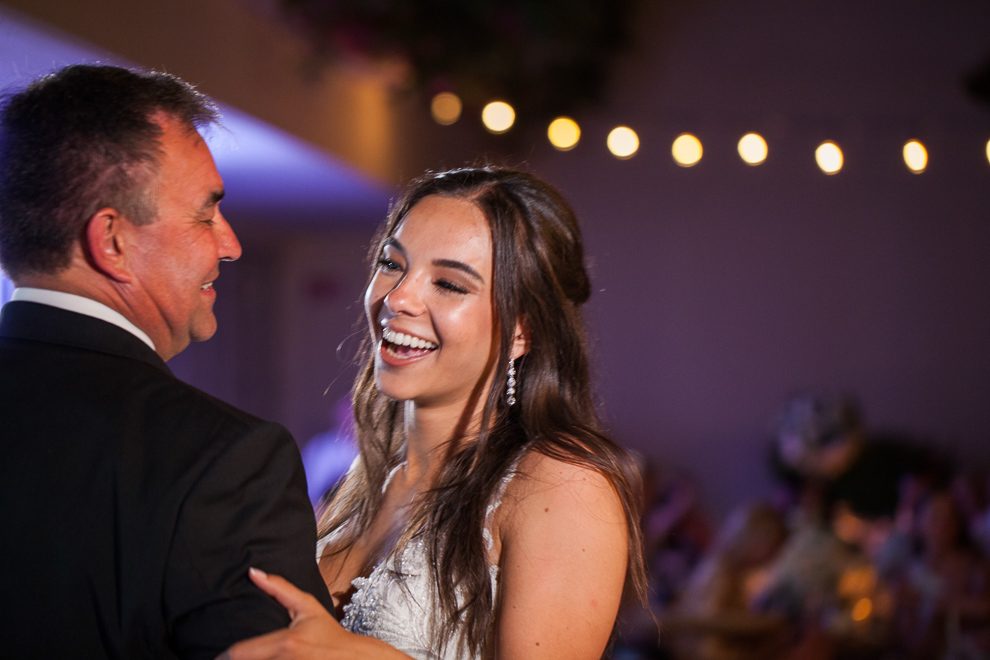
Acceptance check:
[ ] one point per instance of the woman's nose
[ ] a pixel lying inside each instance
(405, 297)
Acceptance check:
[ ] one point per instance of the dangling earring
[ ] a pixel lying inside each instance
(510, 389)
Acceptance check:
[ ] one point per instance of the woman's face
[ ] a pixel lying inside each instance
(429, 306)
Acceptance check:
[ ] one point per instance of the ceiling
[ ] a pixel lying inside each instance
(271, 176)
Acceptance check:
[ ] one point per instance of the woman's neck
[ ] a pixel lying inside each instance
(432, 435)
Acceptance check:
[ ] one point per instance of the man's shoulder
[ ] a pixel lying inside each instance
(119, 396)
(191, 398)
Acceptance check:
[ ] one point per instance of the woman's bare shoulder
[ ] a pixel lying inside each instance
(548, 485)
(564, 550)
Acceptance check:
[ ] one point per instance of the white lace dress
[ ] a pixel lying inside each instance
(398, 608)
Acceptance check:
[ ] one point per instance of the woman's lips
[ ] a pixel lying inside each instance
(399, 348)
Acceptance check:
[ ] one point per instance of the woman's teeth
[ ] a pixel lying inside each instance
(402, 339)
(207, 286)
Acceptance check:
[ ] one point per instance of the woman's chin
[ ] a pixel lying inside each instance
(399, 391)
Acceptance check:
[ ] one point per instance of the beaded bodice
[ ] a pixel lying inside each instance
(398, 608)
(395, 602)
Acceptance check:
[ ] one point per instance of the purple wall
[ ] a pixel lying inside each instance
(722, 288)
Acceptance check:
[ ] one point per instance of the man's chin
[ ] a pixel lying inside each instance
(203, 327)
(204, 333)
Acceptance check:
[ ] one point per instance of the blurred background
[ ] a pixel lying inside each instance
(768, 330)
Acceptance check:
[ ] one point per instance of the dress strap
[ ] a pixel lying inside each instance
(497, 501)
(486, 532)
(391, 474)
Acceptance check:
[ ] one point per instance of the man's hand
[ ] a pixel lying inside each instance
(312, 635)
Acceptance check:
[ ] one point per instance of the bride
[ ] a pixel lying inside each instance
(487, 515)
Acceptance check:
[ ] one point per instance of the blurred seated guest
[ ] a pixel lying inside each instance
(715, 618)
(971, 494)
(822, 439)
(802, 582)
(676, 534)
(943, 597)
(817, 439)
(892, 558)
(819, 436)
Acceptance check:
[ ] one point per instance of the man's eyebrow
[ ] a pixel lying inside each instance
(213, 199)
(459, 265)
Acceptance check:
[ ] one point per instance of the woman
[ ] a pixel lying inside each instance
(487, 515)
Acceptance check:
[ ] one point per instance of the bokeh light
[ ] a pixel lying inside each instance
(446, 108)
(753, 149)
(829, 157)
(988, 150)
(498, 116)
(915, 156)
(623, 142)
(686, 150)
(564, 133)
(862, 609)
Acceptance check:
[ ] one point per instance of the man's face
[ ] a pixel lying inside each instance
(175, 258)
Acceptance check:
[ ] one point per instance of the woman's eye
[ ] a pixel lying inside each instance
(447, 285)
(384, 263)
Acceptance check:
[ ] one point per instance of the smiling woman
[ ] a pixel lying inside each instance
(488, 515)
(433, 286)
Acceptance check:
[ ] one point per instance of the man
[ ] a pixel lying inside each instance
(131, 504)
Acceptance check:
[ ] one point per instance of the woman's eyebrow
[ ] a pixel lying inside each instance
(393, 242)
(459, 265)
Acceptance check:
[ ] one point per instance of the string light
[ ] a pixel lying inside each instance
(752, 149)
(829, 157)
(686, 150)
(623, 142)
(915, 156)
(446, 108)
(498, 116)
(564, 133)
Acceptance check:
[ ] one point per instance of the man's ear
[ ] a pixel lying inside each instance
(105, 246)
(520, 340)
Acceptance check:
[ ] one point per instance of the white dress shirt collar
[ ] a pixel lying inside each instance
(80, 305)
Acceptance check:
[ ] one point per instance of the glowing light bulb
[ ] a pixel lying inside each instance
(623, 142)
(829, 157)
(686, 150)
(915, 156)
(988, 150)
(564, 133)
(498, 116)
(446, 108)
(753, 149)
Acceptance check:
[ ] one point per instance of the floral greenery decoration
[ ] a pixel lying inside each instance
(545, 57)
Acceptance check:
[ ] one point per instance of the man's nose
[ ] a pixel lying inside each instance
(228, 246)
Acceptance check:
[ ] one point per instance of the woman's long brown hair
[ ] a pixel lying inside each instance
(540, 280)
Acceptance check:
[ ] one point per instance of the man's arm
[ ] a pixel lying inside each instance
(248, 508)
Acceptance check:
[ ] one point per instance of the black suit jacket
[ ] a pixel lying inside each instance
(132, 504)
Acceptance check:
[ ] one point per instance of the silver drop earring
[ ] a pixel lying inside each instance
(510, 389)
